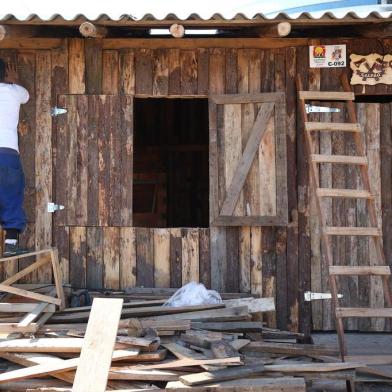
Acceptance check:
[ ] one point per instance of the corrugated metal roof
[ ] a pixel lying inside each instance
(196, 19)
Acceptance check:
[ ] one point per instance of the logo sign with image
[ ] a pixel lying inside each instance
(371, 69)
(327, 56)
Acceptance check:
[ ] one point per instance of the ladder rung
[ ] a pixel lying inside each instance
(364, 312)
(365, 231)
(347, 193)
(326, 95)
(331, 126)
(356, 270)
(347, 159)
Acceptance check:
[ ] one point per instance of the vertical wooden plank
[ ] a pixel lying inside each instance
(27, 240)
(386, 179)
(127, 257)
(373, 153)
(144, 71)
(110, 72)
(43, 159)
(243, 70)
(95, 258)
(315, 233)
(111, 257)
(232, 256)
(62, 242)
(78, 253)
(161, 257)
(304, 254)
(256, 261)
(188, 61)
(174, 71)
(202, 71)
(115, 139)
(363, 243)
(59, 134)
(175, 258)
(232, 150)
(190, 255)
(95, 120)
(127, 72)
(287, 238)
(217, 77)
(93, 55)
(126, 152)
(26, 129)
(231, 71)
(81, 180)
(104, 160)
(144, 257)
(161, 73)
(76, 66)
(269, 256)
(204, 257)
(244, 259)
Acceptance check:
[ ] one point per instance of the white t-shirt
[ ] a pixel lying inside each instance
(11, 97)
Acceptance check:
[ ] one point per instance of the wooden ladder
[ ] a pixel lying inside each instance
(327, 232)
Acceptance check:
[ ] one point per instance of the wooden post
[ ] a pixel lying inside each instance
(89, 30)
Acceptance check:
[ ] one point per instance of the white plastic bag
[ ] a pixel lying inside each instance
(193, 294)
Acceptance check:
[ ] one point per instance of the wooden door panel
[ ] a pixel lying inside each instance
(94, 154)
(248, 173)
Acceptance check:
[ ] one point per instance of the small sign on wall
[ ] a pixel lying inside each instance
(327, 56)
(371, 69)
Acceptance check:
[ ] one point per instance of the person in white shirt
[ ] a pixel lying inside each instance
(12, 182)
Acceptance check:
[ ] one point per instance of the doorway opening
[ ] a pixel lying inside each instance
(171, 170)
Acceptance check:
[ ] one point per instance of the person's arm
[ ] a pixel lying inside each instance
(11, 74)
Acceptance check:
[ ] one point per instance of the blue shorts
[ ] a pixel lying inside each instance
(12, 184)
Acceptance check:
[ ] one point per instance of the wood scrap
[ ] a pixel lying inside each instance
(98, 346)
(222, 375)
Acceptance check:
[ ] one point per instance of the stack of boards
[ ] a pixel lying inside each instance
(140, 345)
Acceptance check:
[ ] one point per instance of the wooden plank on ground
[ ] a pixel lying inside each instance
(47, 345)
(281, 384)
(222, 375)
(97, 350)
(255, 305)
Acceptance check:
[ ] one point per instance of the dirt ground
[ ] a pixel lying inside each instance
(358, 344)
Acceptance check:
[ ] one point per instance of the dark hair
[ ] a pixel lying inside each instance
(2, 70)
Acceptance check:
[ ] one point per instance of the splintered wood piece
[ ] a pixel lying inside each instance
(290, 349)
(255, 305)
(34, 314)
(222, 375)
(326, 95)
(341, 159)
(353, 231)
(10, 307)
(48, 345)
(68, 364)
(281, 384)
(356, 270)
(97, 350)
(29, 294)
(345, 193)
(332, 126)
(364, 312)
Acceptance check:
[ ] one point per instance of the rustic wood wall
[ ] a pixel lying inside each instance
(276, 261)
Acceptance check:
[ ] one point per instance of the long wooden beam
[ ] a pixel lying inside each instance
(279, 30)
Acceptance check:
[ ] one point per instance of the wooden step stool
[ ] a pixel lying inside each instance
(47, 304)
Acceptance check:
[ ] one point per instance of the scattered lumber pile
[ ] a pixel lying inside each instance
(136, 344)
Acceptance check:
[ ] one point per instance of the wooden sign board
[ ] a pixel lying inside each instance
(371, 69)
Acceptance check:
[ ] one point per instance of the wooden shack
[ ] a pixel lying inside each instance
(145, 159)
